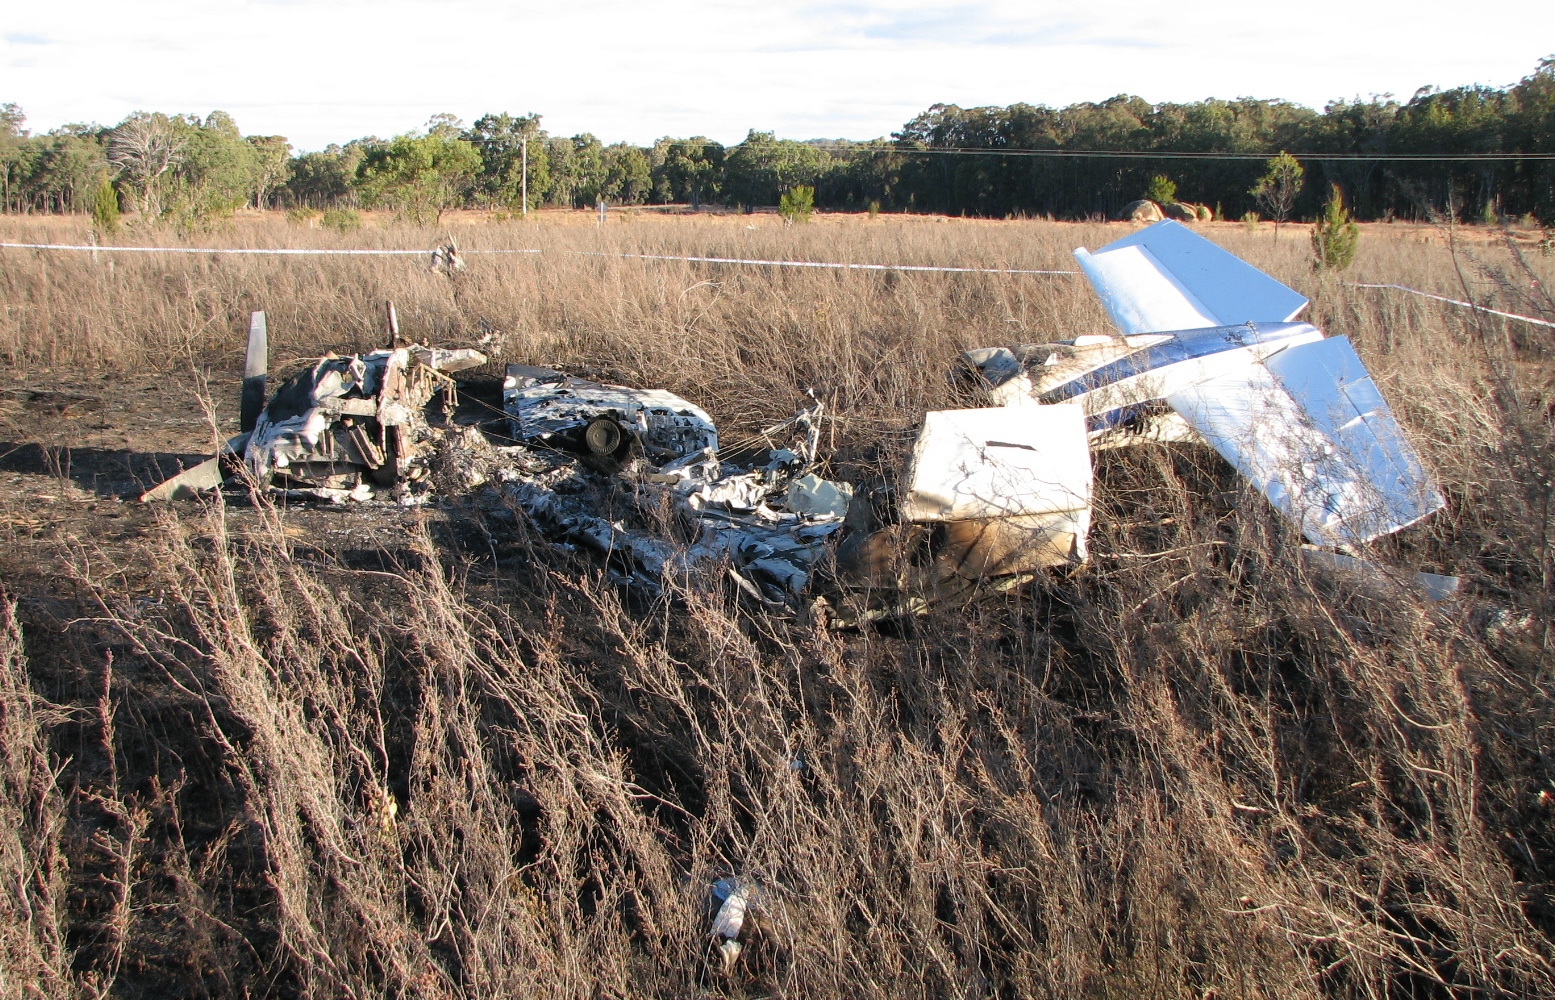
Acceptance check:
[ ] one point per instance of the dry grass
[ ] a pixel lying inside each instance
(1188, 769)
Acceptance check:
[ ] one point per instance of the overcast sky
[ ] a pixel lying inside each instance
(322, 71)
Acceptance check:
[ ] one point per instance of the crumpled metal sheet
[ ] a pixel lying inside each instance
(560, 412)
(732, 519)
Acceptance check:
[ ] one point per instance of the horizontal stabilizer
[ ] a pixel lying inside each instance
(1166, 277)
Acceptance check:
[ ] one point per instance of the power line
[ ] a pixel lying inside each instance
(865, 149)
(1169, 155)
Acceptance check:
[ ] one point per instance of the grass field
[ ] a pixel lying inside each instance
(247, 750)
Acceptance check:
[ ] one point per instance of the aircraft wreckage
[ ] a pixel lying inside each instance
(1208, 350)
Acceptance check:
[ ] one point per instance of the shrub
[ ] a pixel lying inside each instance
(105, 206)
(1161, 189)
(874, 209)
(301, 216)
(342, 220)
(1335, 235)
(797, 203)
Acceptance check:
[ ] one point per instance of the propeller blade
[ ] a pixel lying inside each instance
(254, 371)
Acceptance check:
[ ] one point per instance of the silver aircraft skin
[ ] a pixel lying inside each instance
(1209, 348)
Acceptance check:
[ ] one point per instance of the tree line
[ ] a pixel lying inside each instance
(1020, 160)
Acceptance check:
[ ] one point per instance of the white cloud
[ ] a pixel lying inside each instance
(321, 71)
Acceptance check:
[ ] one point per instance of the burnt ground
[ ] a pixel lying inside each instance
(78, 449)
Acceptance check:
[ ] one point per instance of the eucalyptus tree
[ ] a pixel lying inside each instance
(420, 174)
(688, 170)
(508, 146)
(145, 148)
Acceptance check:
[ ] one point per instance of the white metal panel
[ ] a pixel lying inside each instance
(1308, 428)
(1338, 395)
(999, 462)
(1218, 282)
(1140, 295)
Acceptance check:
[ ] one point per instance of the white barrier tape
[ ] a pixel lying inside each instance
(700, 260)
(580, 253)
(816, 263)
(1456, 302)
(239, 250)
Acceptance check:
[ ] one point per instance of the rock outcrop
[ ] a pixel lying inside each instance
(1143, 210)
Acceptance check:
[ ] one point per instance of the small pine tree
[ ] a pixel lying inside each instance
(1279, 187)
(105, 207)
(797, 203)
(1161, 189)
(1335, 235)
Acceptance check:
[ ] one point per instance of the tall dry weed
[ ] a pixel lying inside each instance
(34, 953)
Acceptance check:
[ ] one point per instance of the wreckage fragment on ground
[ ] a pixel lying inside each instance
(612, 422)
(337, 428)
(653, 457)
(1209, 350)
(350, 422)
(989, 494)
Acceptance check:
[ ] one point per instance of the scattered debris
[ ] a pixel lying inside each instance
(611, 422)
(653, 457)
(1208, 351)
(200, 478)
(735, 899)
(446, 260)
(810, 494)
(1434, 586)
